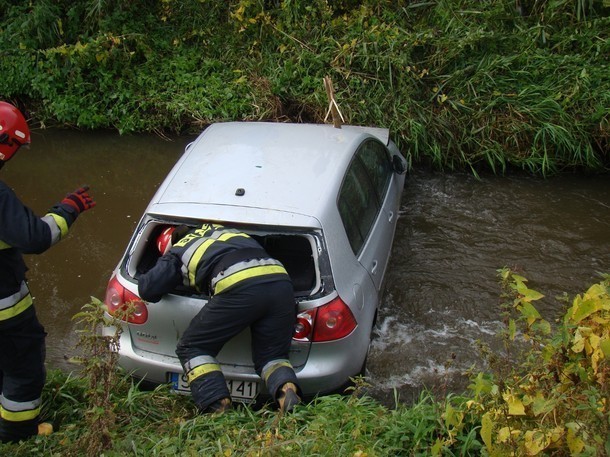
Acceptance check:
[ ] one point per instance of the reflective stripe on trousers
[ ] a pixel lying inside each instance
(274, 365)
(276, 373)
(18, 411)
(15, 304)
(200, 366)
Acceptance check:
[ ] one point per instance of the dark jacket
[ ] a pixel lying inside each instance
(22, 232)
(211, 260)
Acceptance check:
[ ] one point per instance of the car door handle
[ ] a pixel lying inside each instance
(391, 216)
(374, 267)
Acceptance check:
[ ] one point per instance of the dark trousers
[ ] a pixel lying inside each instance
(22, 375)
(269, 309)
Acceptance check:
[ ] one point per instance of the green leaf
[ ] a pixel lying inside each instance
(584, 309)
(519, 279)
(529, 312)
(575, 443)
(486, 429)
(544, 327)
(512, 329)
(605, 347)
(437, 448)
(480, 385)
(515, 405)
(535, 442)
(532, 295)
(542, 406)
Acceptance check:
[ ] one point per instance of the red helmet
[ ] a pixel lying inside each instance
(14, 131)
(164, 241)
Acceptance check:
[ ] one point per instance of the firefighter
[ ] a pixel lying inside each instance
(22, 347)
(246, 288)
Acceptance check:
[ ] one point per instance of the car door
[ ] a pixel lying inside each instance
(368, 205)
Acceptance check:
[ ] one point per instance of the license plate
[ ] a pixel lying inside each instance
(241, 391)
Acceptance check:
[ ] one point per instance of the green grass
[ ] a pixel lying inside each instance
(162, 423)
(463, 84)
(546, 392)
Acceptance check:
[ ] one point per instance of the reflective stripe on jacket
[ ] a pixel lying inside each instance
(245, 270)
(15, 304)
(204, 250)
(23, 232)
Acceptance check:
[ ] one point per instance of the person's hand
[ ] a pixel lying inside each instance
(80, 200)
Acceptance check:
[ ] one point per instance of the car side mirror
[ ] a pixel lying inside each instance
(399, 164)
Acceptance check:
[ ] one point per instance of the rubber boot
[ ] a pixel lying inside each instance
(220, 406)
(45, 429)
(288, 398)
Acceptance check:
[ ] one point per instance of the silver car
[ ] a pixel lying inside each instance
(322, 200)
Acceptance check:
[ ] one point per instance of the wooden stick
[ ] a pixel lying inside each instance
(333, 108)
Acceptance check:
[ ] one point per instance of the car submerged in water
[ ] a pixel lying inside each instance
(322, 200)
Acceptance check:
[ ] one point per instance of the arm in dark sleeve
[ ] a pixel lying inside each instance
(161, 279)
(20, 228)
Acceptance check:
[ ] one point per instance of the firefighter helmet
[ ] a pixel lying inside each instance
(164, 241)
(14, 131)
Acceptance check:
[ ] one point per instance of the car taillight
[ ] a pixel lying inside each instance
(304, 325)
(117, 299)
(329, 322)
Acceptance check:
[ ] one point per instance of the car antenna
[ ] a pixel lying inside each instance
(333, 108)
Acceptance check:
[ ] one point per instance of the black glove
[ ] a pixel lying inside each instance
(80, 200)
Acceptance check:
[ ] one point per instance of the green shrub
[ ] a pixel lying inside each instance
(557, 400)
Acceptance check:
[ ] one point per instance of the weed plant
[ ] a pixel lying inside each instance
(546, 394)
(481, 85)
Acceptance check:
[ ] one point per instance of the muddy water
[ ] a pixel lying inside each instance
(453, 233)
(123, 173)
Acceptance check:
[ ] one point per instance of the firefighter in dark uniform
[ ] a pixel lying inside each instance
(22, 348)
(246, 288)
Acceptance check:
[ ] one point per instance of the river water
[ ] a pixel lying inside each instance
(442, 293)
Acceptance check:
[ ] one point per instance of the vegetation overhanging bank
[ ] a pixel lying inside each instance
(463, 84)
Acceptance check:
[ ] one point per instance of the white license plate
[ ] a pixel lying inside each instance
(241, 391)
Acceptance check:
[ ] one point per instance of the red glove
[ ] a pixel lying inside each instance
(80, 200)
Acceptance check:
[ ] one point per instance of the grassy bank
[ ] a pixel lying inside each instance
(546, 393)
(462, 83)
(161, 423)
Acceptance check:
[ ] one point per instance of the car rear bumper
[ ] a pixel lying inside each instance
(327, 368)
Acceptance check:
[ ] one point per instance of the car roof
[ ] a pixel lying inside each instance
(286, 168)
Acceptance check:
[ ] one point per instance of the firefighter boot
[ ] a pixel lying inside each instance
(220, 406)
(287, 397)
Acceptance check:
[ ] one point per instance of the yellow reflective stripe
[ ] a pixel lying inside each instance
(201, 250)
(201, 370)
(246, 274)
(19, 307)
(19, 416)
(270, 368)
(194, 260)
(61, 223)
(199, 360)
(4, 245)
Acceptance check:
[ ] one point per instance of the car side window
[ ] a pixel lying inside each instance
(362, 192)
(376, 160)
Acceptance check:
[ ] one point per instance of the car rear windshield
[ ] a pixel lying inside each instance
(298, 252)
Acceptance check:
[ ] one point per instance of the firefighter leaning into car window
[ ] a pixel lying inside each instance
(22, 347)
(246, 288)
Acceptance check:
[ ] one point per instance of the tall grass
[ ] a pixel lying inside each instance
(462, 83)
(546, 393)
